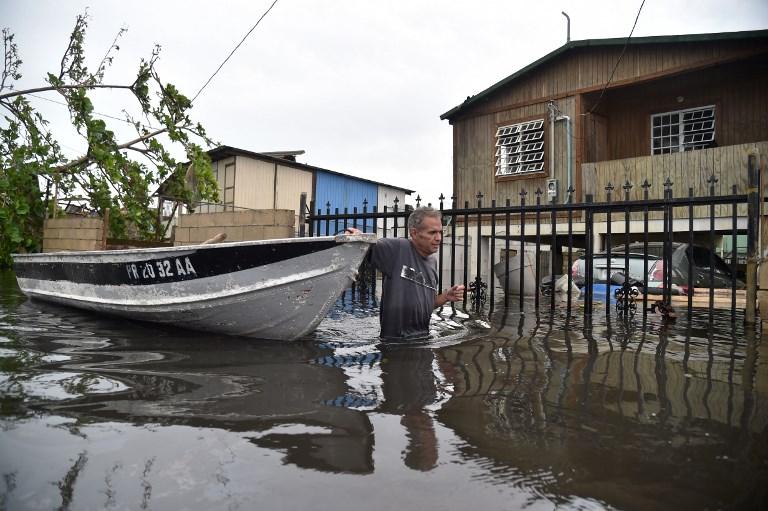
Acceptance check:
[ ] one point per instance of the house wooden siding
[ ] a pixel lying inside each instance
(717, 161)
(387, 195)
(737, 90)
(257, 184)
(574, 80)
(291, 183)
(587, 69)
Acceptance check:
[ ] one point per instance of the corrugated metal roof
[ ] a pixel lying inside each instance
(225, 151)
(667, 39)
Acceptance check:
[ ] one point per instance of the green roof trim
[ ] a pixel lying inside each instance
(666, 39)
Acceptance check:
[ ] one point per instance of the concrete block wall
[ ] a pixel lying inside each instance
(262, 224)
(72, 233)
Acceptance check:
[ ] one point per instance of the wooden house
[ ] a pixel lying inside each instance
(618, 111)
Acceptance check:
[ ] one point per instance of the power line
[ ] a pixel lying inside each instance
(233, 51)
(93, 112)
(626, 43)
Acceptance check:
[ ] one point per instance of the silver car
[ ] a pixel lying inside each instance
(618, 258)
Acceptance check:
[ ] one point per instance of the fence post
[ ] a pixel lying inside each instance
(105, 229)
(311, 221)
(538, 248)
(442, 249)
(302, 214)
(608, 243)
(753, 217)
(588, 240)
(479, 262)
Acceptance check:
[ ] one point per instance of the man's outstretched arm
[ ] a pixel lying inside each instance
(454, 294)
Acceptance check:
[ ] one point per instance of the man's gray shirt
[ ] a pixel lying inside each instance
(409, 288)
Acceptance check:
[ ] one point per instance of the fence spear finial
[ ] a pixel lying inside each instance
(627, 188)
(609, 191)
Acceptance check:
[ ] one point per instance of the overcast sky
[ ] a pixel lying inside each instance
(359, 85)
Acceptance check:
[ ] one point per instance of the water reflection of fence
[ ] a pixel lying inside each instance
(549, 375)
(482, 231)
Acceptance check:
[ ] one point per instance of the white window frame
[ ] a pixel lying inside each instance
(520, 148)
(699, 131)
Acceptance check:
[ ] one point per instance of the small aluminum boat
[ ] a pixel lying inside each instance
(271, 289)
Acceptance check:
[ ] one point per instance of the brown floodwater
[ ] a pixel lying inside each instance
(519, 411)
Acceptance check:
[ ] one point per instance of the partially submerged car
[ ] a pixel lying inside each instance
(687, 257)
(600, 266)
(684, 257)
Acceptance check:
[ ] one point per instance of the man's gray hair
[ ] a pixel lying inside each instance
(419, 214)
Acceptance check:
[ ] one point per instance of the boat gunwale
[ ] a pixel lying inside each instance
(340, 238)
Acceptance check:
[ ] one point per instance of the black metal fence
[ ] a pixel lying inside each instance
(532, 225)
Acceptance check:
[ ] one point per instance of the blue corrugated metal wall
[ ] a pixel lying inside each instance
(343, 192)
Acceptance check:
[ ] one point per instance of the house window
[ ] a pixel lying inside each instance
(520, 148)
(683, 130)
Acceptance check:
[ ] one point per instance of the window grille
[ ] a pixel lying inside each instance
(683, 130)
(520, 148)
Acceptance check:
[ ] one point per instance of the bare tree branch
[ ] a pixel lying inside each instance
(85, 158)
(60, 88)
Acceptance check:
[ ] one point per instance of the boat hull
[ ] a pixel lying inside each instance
(279, 289)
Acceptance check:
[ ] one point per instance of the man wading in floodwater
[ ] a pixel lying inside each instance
(410, 293)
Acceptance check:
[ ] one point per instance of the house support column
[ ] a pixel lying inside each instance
(758, 163)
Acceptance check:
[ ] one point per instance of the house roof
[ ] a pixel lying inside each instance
(288, 155)
(635, 41)
(225, 151)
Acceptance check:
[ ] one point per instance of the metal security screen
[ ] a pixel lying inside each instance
(683, 130)
(520, 148)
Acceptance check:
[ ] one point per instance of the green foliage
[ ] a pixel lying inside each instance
(33, 167)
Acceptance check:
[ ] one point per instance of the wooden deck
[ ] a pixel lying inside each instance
(685, 170)
(701, 299)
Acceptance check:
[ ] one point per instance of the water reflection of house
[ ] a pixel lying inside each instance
(591, 112)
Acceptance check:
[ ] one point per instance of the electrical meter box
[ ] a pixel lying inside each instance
(552, 189)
